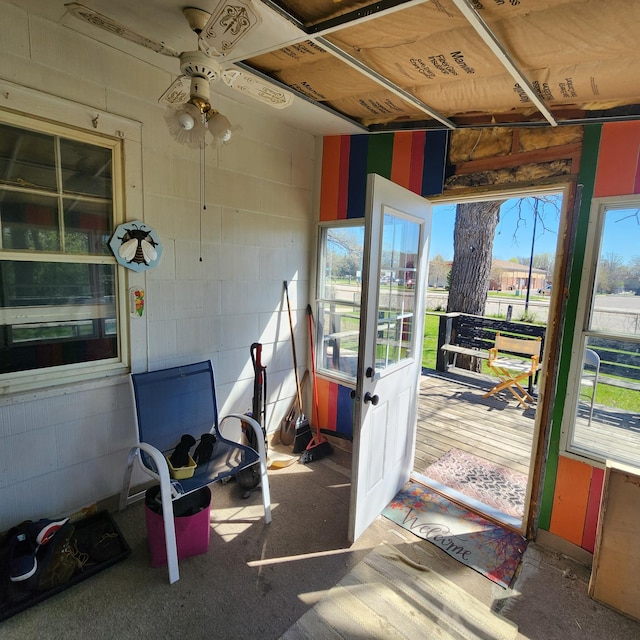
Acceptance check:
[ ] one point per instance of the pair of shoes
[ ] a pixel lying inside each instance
(24, 542)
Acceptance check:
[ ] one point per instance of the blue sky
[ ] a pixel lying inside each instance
(621, 235)
(511, 240)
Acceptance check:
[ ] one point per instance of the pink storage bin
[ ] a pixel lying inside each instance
(192, 522)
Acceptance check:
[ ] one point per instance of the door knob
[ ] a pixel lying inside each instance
(369, 372)
(372, 399)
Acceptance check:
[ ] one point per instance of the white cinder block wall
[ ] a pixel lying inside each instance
(64, 448)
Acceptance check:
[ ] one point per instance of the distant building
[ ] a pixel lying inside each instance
(509, 276)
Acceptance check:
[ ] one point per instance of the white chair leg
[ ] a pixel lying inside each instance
(167, 511)
(169, 529)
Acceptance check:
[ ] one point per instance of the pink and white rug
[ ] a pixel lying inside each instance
(487, 483)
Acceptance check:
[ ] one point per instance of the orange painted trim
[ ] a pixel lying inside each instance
(617, 159)
(330, 185)
(323, 402)
(571, 498)
(401, 158)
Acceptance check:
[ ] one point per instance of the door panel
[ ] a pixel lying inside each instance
(394, 279)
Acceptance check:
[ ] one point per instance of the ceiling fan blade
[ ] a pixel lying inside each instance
(106, 23)
(257, 88)
(177, 93)
(230, 21)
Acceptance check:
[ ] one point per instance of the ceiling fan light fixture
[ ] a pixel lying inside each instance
(219, 127)
(185, 124)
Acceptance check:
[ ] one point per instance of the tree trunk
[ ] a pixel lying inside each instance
(473, 234)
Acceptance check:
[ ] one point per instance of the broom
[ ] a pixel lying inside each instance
(319, 447)
(302, 428)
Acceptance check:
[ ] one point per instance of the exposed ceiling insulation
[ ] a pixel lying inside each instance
(414, 64)
(455, 62)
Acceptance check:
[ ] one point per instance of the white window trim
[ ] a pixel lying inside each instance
(58, 115)
(585, 299)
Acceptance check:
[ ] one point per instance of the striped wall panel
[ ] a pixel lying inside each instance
(576, 493)
(414, 160)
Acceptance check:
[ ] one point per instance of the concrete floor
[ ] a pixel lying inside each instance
(257, 579)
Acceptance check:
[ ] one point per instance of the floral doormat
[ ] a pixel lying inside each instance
(490, 549)
(490, 484)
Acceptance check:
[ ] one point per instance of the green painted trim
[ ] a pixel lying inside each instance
(380, 154)
(587, 177)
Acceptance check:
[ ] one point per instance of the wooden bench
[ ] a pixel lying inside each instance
(474, 336)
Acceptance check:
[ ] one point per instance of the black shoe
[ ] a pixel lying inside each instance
(43, 530)
(180, 455)
(22, 557)
(204, 450)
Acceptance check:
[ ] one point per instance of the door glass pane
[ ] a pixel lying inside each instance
(397, 290)
(339, 295)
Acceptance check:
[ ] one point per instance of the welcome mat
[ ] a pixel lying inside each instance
(389, 595)
(94, 543)
(490, 549)
(483, 481)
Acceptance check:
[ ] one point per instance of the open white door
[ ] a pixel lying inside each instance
(397, 231)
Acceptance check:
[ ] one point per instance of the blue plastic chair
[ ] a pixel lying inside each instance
(170, 403)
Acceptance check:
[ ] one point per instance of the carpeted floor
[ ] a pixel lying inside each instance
(490, 549)
(488, 483)
(389, 595)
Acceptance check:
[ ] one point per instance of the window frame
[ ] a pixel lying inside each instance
(34, 111)
(583, 330)
(323, 228)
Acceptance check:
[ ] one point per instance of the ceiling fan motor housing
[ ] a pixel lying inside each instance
(196, 64)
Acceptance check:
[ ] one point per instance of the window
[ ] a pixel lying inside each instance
(58, 279)
(606, 376)
(339, 295)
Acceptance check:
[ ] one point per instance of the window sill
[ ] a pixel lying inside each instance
(41, 385)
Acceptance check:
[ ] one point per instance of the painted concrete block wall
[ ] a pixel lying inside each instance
(218, 286)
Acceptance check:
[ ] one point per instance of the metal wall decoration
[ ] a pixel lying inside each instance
(136, 246)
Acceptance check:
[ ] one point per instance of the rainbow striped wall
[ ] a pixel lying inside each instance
(610, 166)
(414, 160)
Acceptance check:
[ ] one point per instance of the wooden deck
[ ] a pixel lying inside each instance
(452, 414)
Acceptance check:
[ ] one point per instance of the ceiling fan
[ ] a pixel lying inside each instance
(190, 115)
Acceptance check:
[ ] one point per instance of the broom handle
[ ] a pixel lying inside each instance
(293, 347)
(313, 368)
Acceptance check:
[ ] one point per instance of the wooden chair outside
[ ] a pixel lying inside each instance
(521, 363)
